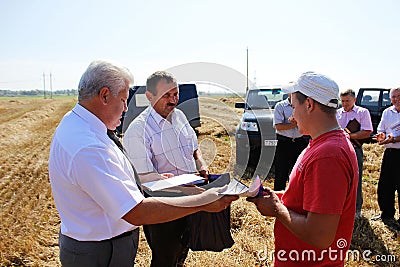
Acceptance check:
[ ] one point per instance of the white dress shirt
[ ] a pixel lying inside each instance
(390, 124)
(92, 181)
(156, 145)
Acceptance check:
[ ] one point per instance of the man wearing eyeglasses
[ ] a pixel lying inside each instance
(389, 181)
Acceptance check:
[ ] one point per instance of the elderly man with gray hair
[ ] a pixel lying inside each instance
(93, 182)
(389, 180)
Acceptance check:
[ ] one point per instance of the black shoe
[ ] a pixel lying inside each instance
(391, 223)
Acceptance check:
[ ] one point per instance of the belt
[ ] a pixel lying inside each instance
(124, 234)
(285, 138)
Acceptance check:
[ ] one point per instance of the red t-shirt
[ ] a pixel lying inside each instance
(324, 180)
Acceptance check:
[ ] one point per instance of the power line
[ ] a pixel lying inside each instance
(44, 85)
(51, 87)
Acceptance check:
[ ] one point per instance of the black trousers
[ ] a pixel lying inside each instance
(286, 154)
(168, 242)
(389, 182)
(360, 161)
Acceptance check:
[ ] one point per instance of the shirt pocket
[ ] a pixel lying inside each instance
(187, 146)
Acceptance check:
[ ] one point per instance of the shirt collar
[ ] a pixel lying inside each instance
(286, 102)
(393, 109)
(354, 108)
(326, 135)
(94, 122)
(157, 117)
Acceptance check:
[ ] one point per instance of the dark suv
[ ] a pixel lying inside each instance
(376, 100)
(137, 102)
(255, 134)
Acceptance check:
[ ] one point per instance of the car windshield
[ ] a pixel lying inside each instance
(264, 98)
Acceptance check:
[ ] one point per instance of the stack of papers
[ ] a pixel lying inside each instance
(184, 179)
(235, 187)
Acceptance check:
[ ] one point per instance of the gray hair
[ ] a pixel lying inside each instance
(392, 90)
(153, 80)
(101, 74)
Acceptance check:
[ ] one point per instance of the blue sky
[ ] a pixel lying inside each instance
(354, 42)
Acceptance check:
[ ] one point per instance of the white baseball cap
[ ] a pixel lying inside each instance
(316, 86)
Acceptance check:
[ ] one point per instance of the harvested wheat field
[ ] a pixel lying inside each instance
(29, 221)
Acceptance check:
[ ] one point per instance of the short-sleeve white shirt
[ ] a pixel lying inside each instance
(92, 181)
(390, 124)
(156, 145)
(282, 112)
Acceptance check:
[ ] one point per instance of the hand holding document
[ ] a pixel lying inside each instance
(184, 179)
(235, 187)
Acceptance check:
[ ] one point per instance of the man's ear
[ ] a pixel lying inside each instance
(310, 104)
(104, 95)
(149, 96)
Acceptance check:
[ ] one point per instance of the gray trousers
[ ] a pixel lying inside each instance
(360, 160)
(119, 251)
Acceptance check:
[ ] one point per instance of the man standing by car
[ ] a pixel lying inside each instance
(350, 112)
(389, 180)
(159, 141)
(290, 142)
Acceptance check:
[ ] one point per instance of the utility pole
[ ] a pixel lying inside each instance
(44, 85)
(51, 87)
(247, 70)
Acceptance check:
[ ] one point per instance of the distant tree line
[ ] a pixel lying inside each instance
(37, 92)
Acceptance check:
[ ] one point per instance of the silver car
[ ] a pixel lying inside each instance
(255, 134)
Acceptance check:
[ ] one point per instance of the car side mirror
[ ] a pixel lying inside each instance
(240, 105)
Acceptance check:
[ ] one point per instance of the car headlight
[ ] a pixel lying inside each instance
(249, 126)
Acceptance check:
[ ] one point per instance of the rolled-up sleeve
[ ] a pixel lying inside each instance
(382, 124)
(278, 115)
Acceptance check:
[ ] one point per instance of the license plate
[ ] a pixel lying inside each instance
(270, 142)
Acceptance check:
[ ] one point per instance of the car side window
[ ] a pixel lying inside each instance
(386, 99)
(371, 98)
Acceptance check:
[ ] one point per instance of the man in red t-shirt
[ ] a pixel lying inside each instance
(315, 216)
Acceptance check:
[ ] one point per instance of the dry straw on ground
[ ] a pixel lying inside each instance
(29, 221)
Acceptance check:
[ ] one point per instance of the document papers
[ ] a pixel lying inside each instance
(235, 187)
(183, 179)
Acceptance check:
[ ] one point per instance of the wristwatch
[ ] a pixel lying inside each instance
(394, 139)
